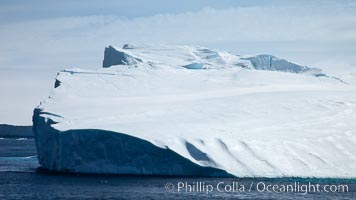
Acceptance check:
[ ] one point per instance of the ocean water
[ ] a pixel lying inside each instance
(22, 178)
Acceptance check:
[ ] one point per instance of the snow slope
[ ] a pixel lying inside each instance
(182, 110)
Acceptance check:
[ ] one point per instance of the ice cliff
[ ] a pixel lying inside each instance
(183, 110)
(199, 58)
(272, 63)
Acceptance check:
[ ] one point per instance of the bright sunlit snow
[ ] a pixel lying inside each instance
(211, 107)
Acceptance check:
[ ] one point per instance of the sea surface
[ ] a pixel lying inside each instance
(22, 178)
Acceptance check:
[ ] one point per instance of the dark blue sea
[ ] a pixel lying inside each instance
(22, 178)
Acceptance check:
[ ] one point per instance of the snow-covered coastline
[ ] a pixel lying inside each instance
(181, 110)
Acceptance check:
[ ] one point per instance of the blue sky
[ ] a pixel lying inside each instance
(38, 38)
(24, 10)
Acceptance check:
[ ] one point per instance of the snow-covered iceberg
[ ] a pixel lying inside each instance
(272, 63)
(183, 110)
(113, 56)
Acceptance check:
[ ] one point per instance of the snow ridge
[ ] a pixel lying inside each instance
(199, 58)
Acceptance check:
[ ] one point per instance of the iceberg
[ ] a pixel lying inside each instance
(112, 56)
(269, 62)
(193, 111)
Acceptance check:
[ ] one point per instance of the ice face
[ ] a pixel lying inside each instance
(158, 117)
(269, 62)
(183, 56)
(194, 66)
(197, 57)
(106, 152)
(113, 56)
